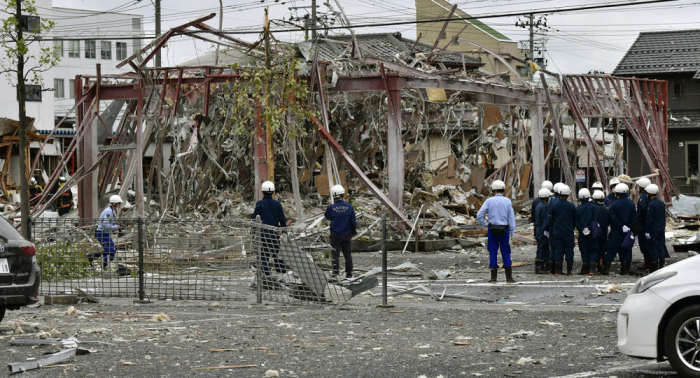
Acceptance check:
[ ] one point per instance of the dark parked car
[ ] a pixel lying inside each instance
(19, 272)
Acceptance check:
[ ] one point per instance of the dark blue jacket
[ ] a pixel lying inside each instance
(270, 211)
(603, 218)
(585, 213)
(610, 199)
(562, 218)
(656, 217)
(535, 202)
(342, 217)
(642, 208)
(551, 203)
(540, 219)
(622, 213)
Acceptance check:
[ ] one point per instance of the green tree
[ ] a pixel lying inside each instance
(20, 65)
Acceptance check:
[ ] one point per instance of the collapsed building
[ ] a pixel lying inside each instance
(408, 127)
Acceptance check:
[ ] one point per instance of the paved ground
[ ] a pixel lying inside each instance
(544, 326)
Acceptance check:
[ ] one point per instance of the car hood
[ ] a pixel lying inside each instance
(685, 283)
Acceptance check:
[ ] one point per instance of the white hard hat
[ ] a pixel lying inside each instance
(32, 181)
(621, 188)
(115, 199)
(557, 187)
(614, 181)
(498, 185)
(598, 194)
(564, 190)
(337, 191)
(62, 179)
(597, 185)
(268, 187)
(547, 184)
(544, 193)
(584, 193)
(652, 189)
(643, 182)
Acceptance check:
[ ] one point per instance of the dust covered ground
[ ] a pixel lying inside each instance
(543, 326)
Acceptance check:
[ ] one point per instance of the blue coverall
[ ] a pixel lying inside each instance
(585, 214)
(642, 204)
(535, 202)
(105, 226)
(343, 226)
(500, 211)
(562, 218)
(542, 241)
(622, 213)
(600, 244)
(271, 214)
(610, 199)
(551, 202)
(656, 228)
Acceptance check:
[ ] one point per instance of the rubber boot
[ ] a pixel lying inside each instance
(599, 267)
(653, 266)
(569, 267)
(606, 268)
(662, 262)
(539, 267)
(509, 274)
(647, 262)
(584, 269)
(559, 265)
(592, 268)
(553, 268)
(494, 275)
(625, 267)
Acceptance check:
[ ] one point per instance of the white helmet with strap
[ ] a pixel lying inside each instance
(268, 187)
(115, 199)
(337, 191)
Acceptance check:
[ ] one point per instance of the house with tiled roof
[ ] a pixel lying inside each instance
(673, 56)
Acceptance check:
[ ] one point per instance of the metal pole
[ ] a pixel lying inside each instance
(385, 279)
(257, 239)
(313, 19)
(157, 5)
(532, 43)
(142, 289)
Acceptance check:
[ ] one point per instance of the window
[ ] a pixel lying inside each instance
(90, 49)
(136, 23)
(523, 71)
(677, 90)
(71, 88)
(58, 47)
(74, 49)
(58, 87)
(106, 50)
(33, 92)
(121, 50)
(31, 24)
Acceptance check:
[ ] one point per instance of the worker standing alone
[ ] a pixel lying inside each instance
(541, 233)
(106, 225)
(501, 226)
(562, 218)
(271, 214)
(585, 215)
(343, 227)
(655, 228)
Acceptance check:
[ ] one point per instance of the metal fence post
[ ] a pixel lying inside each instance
(257, 239)
(142, 283)
(385, 279)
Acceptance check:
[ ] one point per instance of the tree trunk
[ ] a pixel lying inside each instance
(21, 99)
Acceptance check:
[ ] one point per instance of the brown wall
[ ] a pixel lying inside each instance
(676, 154)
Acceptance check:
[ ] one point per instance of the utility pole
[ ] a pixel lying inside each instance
(532, 42)
(157, 4)
(268, 126)
(21, 98)
(313, 19)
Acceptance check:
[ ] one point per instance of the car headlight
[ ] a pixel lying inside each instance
(644, 283)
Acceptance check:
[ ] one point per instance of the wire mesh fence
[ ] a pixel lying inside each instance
(238, 260)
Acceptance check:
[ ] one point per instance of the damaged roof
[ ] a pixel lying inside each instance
(380, 45)
(683, 119)
(663, 52)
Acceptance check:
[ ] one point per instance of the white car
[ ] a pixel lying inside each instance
(661, 317)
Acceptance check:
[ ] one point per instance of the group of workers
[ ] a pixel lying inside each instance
(64, 202)
(607, 227)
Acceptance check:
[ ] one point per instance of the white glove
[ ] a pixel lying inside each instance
(625, 229)
(546, 233)
(586, 231)
(647, 235)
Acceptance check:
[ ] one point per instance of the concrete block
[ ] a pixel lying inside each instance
(60, 299)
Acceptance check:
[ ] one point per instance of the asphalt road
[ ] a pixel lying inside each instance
(543, 326)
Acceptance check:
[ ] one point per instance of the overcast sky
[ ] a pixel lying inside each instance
(577, 41)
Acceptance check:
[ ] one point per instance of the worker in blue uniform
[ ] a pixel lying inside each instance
(622, 215)
(655, 228)
(611, 195)
(585, 215)
(554, 198)
(545, 185)
(107, 225)
(596, 186)
(271, 214)
(600, 241)
(562, 219)
(642, 203)
(501, 226)
(541, 232)
(343, 227)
